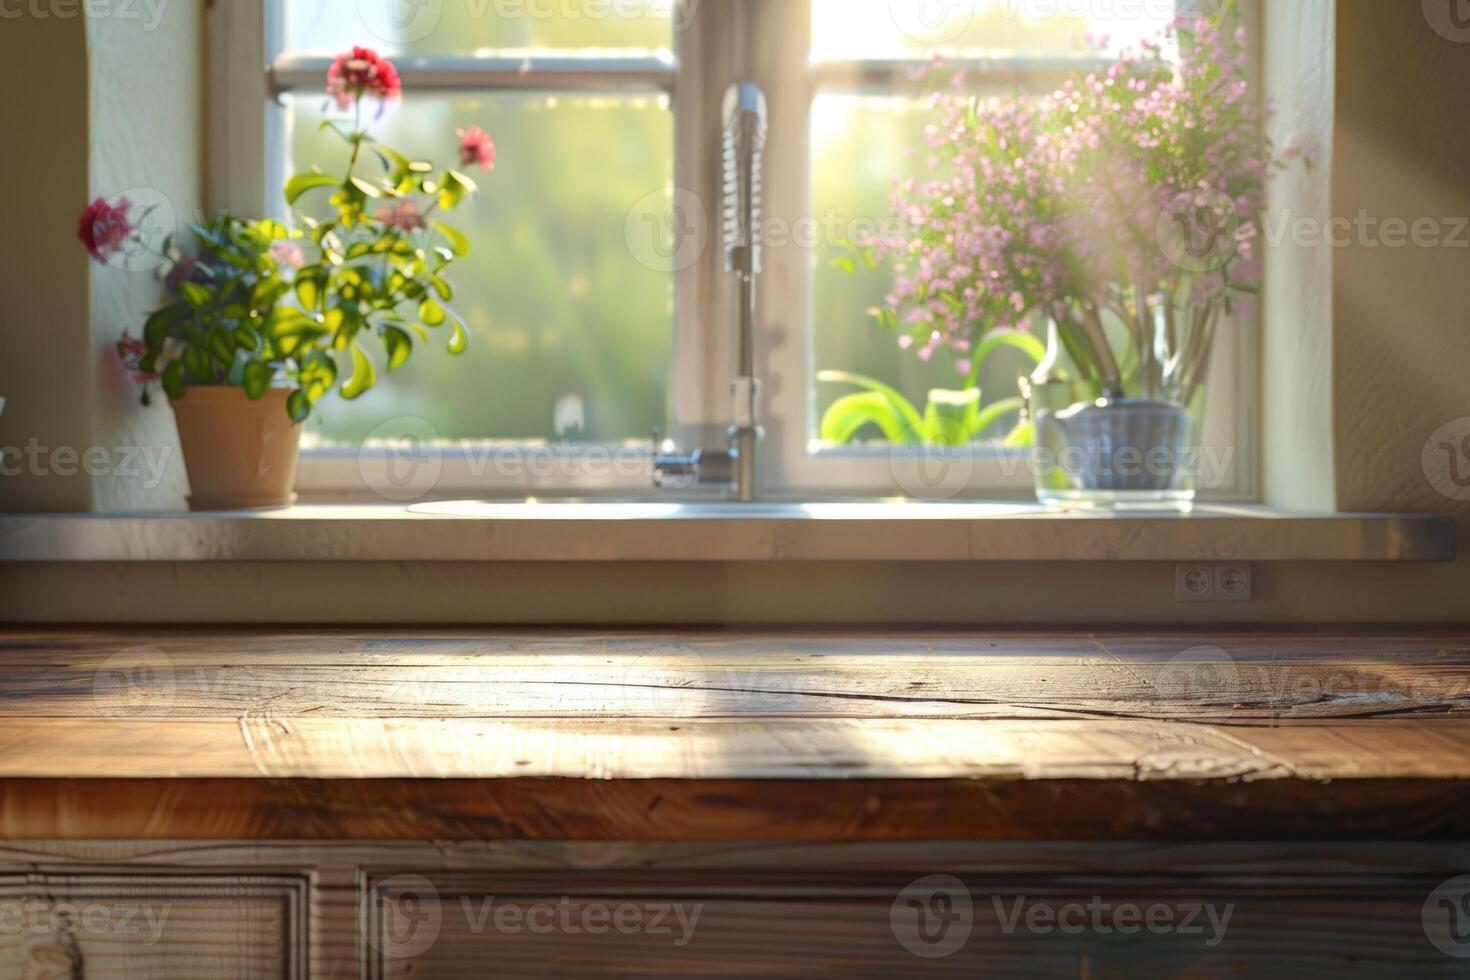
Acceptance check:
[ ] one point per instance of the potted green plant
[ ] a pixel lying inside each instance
(258, 317)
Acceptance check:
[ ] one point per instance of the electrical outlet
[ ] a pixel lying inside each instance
(1195, 583)
(1232, 583)
(1224, 582)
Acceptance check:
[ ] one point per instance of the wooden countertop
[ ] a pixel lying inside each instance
(538, 735)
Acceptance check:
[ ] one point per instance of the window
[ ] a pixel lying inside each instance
(599, 306)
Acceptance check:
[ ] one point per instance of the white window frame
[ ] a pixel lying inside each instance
(717, 43)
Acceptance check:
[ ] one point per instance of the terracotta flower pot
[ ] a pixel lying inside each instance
(240, 454)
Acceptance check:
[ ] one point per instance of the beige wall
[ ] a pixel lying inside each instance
(99, 106)
(44, 370)
(1401, 365)
(147, 113)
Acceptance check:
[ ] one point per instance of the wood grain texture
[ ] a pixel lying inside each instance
(464, 734)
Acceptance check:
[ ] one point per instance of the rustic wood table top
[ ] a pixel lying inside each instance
(778, 736)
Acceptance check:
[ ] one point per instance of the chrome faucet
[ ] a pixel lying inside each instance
(744, 151)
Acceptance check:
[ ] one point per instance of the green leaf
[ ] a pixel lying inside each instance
(459, 342)
(266, 292)
(902, 407)
(222, 346)
(849, 415)
(948, 415)
(317, 375)
(991, 342)
(309, 287)
(195, 294)
(301, 183)
(158, 327)
(196, 361)
(453, 188)
(247, 339)
(258, 377)
(992, 414)
(458, 243)
(298, 406)
(173, 380)
(292, 330)
(431, 313)
(399, 346)
(367, 189)
(364, 376)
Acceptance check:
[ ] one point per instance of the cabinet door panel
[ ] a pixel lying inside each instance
(112, 926)
(464, 926)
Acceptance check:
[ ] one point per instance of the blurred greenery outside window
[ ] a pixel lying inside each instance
(573, 331)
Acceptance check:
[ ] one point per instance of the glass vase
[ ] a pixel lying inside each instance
(1129, 448)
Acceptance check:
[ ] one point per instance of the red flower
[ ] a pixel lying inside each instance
(103, 228)
(404, 216)
(131, 351)
(362, 72)
(475, 146)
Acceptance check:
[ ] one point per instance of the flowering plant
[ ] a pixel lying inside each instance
(223, 323)
(381, 259)
(1130, 196)
(253, 308)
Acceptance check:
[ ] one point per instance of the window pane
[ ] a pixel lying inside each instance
(468, 27)
(571, 333)
(858, 145)
(845, 29)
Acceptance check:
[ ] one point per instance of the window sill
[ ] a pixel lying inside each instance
(724, 532)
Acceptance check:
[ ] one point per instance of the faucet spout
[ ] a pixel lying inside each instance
(744, 144)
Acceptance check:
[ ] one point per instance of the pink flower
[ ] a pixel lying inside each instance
(362, 72)
(404, 216)
(131, 351)
(288, 253)
(476, 147)
(103, 228)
